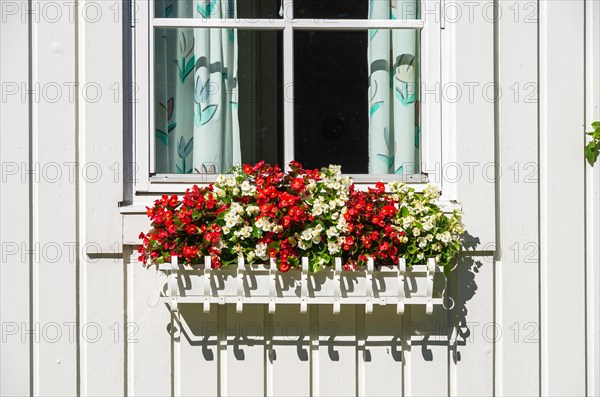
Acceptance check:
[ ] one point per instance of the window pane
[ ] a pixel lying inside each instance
(218, 99)
(221, 9)
(356, 102)
(356, 9)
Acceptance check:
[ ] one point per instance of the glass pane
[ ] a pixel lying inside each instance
(356, 9)
(356, 100)
(218, 99)
(221, 9)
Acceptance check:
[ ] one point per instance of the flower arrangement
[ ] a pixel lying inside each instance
(261, 212)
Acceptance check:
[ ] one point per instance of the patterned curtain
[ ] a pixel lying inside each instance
(196, 121)
(393, 79)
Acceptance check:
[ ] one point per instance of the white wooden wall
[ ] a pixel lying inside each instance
(79, 318)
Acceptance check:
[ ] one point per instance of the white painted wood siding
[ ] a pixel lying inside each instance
(79, 316)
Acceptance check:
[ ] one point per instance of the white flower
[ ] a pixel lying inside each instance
(428, 224)
(225, 230)
(247, 188)
(342, 225)
(333, 247)
(444, 237)
(304, 245)
(416, 232)
(332, 232)
(335, 169)
(431, 192)
(277, 229)
(219, 192)
(252, 209)
(307, 234)
(420, 256)
(261, 251)
(245, 231)
(236, 208)
(230, 180)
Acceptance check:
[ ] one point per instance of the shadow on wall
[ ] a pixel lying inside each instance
(438, 336)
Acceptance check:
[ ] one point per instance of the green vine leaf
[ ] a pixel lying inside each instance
(592, 149)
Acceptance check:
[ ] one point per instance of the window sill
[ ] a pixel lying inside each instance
(174, 183)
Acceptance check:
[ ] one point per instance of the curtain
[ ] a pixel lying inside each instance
(196, 120)
(393, 79)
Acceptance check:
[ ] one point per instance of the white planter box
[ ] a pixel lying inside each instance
(263, 284)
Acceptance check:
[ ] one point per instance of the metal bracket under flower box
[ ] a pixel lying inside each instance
(264, 284)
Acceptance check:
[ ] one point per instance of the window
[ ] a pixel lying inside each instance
(224, 82)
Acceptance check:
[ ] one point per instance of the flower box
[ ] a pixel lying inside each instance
(264, 284)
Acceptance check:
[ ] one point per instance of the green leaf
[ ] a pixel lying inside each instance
(596, 125)
(591, 152)
(455, 245)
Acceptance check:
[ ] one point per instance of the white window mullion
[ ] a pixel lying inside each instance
(355, 24)
(260, 24)
(288, 83)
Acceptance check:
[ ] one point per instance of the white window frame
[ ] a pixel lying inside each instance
(431, 25)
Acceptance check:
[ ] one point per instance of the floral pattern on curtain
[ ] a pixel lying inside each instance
(393, 81)
(196, 120)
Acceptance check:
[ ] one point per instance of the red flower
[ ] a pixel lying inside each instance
(284, 266)
(286, 221)
(191, 229)
(298, 184)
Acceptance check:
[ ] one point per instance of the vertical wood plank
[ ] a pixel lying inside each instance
(198, 371)
(467, 97)
(382, 355)
(104, 353)
(290, 359)
(100, 161)
(101, 123)
(55, 204)
(517, 314)
(472, 330)
(337, 352)
(562, 205)
(14, 203)
(426, 365)
(245, 351)
(592, 212)
(149, 352)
